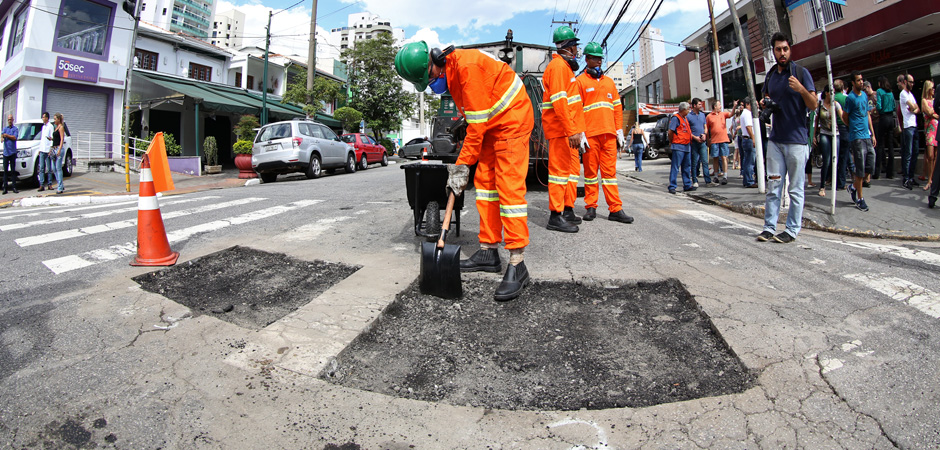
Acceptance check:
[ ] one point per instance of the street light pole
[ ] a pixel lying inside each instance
(835, 155)
(264, 83)
(127, 93)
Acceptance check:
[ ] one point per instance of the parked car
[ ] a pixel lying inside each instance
(27, 155)
(657, 134)
(414, 148)
(300, 146)
(368, 151)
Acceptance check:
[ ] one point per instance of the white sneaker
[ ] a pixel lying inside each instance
(695, 184)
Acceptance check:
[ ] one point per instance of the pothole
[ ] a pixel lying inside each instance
(560, 346)
(246, 287)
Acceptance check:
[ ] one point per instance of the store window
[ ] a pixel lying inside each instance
(200, 72)
(146, 60)
(84, 28)
(18, 30)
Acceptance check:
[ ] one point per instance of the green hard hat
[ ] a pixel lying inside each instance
(594, 49)
(411, 63)
(564, 33)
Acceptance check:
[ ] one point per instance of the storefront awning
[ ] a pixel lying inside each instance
(209, 99)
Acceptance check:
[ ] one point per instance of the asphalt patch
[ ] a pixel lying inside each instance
(243, 286)
(559, 346)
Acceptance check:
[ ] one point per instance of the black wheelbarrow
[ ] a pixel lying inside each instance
(427, 196)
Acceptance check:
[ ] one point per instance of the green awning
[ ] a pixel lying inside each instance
(329, 121)
(283, 111)
(209, 99)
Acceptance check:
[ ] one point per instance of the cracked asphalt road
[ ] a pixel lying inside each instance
(841, 358)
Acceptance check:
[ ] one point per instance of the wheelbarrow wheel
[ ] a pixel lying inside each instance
(432, 221)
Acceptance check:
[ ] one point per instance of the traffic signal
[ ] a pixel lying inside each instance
(130, 7)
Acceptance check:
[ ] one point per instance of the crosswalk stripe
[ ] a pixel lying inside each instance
(16, 226)
(73, 262)
(903, 252)
(716, 220)
(95, 229)
(34, 211)
(904, 291)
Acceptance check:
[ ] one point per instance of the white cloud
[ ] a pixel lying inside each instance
(290, 30)
(430, 36)
(446, 14)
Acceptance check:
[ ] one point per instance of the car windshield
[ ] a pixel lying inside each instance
(415, 141)
(28, 131)
(349, 138)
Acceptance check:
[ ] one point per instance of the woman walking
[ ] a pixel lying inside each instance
(930, 131)
(638, 145)
(822, 137)
(58, 150)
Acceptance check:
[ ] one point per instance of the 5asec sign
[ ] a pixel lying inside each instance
(74, 69)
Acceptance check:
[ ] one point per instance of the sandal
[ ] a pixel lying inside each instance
(810, 185)
(927, 187)
(822, 192)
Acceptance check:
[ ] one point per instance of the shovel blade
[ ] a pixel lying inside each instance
(440, 270)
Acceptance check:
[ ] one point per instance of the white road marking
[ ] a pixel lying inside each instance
(95, 229)
(716, 220)
(16, 226)
(45, 210)
(311, 231)
(903, 252)
(73, 262)
(601, 435)
(919, 297)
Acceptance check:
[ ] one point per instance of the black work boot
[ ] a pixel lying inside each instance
(621, 217)
(558, 223)
(590, 214)
(513, 282)
(570, 216)
(482, 261)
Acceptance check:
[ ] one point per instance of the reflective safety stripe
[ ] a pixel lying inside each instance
(574, 99)
(557, 180)
(590, 180)
(147, 203)
(558, 96)
(597, 105)
(500, 106)
(513, 210)
(617, 102)
(574, 178)
(487, 196)
(547, 105)
(146, 175)
(609, 181)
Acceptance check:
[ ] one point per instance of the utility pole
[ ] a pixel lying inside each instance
(759, 144)
(312, 53)
(570, 23)
(127, 90)
(817, 7)
(716, 62)
(264, 83)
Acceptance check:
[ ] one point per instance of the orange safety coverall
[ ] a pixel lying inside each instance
(499, 123)
(562, 116)
(603, 116)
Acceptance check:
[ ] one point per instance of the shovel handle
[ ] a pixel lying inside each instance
(447, 213)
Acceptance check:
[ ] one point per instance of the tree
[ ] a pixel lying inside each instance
(432, 103)
(245, 128)
(324, 90)
(377, 90)
(350, 118)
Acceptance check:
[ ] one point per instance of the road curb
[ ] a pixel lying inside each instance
(73, 200)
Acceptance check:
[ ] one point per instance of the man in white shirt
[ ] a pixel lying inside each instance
(748, 163)
(909, 112)
(45, 162)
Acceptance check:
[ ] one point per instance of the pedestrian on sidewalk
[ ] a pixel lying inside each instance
(10, 134)
(638, 144)
(823, 137)
(935, 178)
(716, 123)
(791, 89)
(680, 136)
(748, 154)
(699, 150)
(909, 112)
(58, 150)
(846, 167)
(887, 120)
(44, 164)
(930, 131)
(861, 130)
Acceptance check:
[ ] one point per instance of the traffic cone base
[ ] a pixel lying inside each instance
(153, 247)
(166, 261)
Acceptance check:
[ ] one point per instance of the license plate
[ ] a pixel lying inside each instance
(272, 148)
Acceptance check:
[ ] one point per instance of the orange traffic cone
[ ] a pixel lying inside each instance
(153, 248)
(424, 155)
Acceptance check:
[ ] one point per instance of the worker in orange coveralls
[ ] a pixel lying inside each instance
(499, 118)
(563, 125)
(603, 119)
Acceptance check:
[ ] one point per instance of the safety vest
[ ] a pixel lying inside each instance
(562, 111)
(683, 133)
(603, 112)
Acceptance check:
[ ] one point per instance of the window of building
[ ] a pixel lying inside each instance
(831, 12)
(200, 72)
(229, 27)
(164, 11)
(146, 60)
(251, 82)
(18, 30)
(214, 34)
(143, 7)
(238, 79)
(3, 27)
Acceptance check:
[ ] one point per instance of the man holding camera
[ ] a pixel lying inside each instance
(789, 94)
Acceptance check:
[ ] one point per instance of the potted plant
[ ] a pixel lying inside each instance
(242, 149)
(211, 150)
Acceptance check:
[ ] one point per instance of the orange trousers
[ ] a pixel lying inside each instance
(602, 155)
(500, 185)
(564, 171)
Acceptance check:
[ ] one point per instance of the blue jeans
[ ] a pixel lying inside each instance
(57, 167)
(785, 161)
(638, 156)
(825, 147)
(908, 153)
(846, 167)
(700, 158)
(681, 160)
(748, 156)
(45, 167)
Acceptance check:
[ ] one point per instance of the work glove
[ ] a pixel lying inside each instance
(584, 144)
(458, 175)
(621, 141)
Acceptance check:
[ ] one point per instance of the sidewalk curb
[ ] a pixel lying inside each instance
(71, 201)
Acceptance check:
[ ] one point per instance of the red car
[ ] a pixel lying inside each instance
(367, 150)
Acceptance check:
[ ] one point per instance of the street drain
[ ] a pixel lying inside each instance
(560, 346)
(246, 287)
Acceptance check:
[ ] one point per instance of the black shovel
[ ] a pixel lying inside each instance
(440, 262)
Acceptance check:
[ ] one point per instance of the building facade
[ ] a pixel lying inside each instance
(193, 17)
(228, 29)
(362, 26)
(622, 75)
(652, 50)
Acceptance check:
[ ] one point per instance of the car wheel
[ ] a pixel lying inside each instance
(363, 163)
(351, 163)
(268, 177)
(651, 153)
(33, 181)
(384, 159)
(67, 164)
(818, 160)
(314, 169)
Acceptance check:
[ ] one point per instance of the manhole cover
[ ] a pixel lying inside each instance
(247, 287)
(560, 346)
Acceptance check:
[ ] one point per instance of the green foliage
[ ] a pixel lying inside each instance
(211, 149)
(242, 147)
(324, 90)
(350, 118)
(245, 128)
(679, 99)
(388, 144)
(376, 88)
(172, 148)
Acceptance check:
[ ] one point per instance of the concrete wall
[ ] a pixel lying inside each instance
(800, 25)
(176, 61)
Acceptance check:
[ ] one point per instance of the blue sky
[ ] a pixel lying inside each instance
(474, 21)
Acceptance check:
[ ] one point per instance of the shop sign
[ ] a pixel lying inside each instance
(74, 69)
(730, 60)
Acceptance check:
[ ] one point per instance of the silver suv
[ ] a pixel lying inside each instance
(299, 145)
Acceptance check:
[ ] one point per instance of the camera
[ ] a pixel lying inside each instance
(770, 107)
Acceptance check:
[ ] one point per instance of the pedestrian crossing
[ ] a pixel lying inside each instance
(40, 228)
